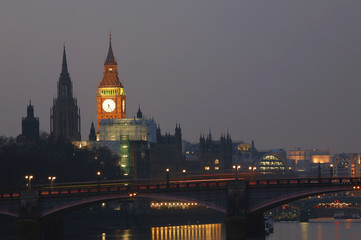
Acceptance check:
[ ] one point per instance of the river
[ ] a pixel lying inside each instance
(319, 229)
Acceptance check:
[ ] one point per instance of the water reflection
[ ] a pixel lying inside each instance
(188, 232)
(320, 229)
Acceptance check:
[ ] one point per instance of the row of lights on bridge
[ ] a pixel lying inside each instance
(29, 178)
(51, 179)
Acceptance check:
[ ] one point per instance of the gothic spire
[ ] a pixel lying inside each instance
(92, 135)
(64, 69)
(30, 110)
(110, 57)
(139, 113)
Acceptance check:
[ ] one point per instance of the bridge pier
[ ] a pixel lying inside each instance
(304, 215)
(52, 228)
(239, 224)
(256, 226)
(28, 229)
(31, 227)
(28, 225)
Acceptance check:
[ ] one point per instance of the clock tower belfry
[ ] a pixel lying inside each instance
(111, 99)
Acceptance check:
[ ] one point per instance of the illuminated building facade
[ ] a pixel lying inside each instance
(137, 129)
(111, 99)
(133, 140)
(273, 162)
(143, 151)
(65, 113)
(215, 156)
(245, 154)
(347, 165)
(304, 158)
(30, 124)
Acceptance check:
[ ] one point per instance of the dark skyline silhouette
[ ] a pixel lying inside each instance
(284, 73)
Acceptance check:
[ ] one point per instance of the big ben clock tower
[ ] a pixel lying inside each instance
(111, 100)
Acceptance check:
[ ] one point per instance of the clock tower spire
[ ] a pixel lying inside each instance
(111, 99)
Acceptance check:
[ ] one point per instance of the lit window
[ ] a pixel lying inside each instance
(216, 161)
(206, 168)
(110, 69)
(216, 168)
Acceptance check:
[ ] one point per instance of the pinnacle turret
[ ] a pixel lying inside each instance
(30, 110)
(139, 113)
(110, 57)
(64, 68)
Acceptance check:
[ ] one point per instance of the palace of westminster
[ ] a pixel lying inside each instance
(144, 152)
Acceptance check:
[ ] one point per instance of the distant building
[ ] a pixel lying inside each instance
(92, 134)
(304, 158)
(245, 154)
(133, 139)
(274, 162)
(191, 157)
(144, 152)
(215, 156)
(30, 124)
(65, 114)
(347, 165)
(168, 152)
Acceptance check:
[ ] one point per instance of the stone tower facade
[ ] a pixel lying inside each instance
(168, 152)
(111, 99)
(215, 156)
(30, 124)
(65, 113)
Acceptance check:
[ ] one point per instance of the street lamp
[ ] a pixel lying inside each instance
(167, 176)
(99, 173)
(51, 180)
(184, 174)
(236, 168)
(252, 169)
(331, 170)
(29, 178)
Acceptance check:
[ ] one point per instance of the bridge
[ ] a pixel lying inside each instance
(39, 211)
(305, 205)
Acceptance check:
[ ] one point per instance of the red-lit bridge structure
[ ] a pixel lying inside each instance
(242, 201)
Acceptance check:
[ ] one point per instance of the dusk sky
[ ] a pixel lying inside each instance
(284, 73)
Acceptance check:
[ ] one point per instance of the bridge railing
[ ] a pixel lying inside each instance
(336, 181)
(121, 188)
(173, 186)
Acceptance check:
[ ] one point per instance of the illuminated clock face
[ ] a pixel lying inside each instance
(108, 105)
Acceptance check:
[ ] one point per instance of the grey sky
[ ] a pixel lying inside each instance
(284, 73)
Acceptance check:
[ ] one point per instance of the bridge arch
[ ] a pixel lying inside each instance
(8, 213)
(275, 202)
(74, 205)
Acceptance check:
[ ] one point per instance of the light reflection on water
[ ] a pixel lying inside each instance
(321, 229)
(183, 232)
